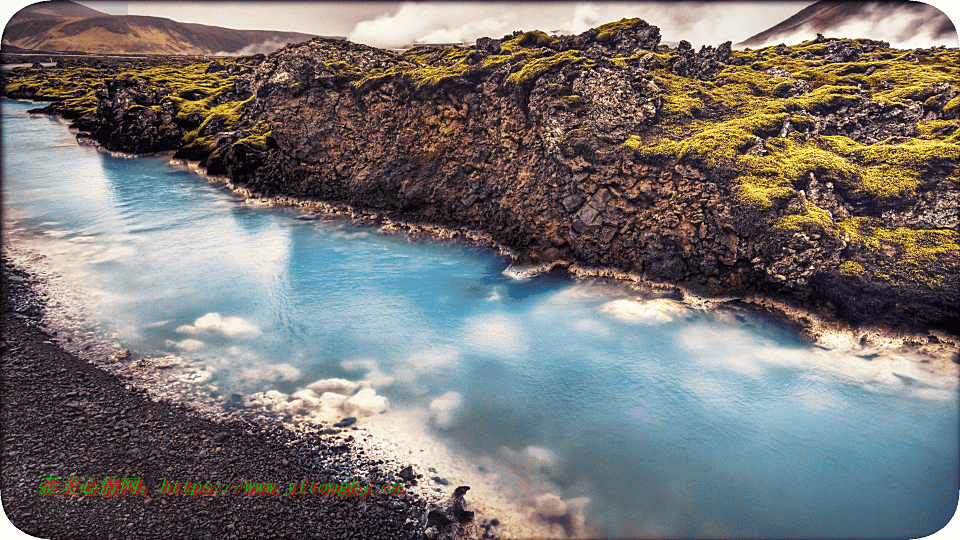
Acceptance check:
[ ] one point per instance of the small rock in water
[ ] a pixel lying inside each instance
(406, 473)
(122, 354)
(346, 422)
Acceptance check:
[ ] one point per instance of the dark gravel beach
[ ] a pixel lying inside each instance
(64, 417)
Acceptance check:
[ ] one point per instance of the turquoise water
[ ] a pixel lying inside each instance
(673, 422)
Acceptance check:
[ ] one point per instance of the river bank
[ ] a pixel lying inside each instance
(65, 417)
(934, 349)
(819, 175)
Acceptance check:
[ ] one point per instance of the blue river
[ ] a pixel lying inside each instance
(649, 417)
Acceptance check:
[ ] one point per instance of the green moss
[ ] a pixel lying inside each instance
(824, 98)
(952, 108)
(720, 144)
(681, 98)
(913, 246)
(840, 144)
(851, 268)
(743, 109)
(537, 67)
(813, 219)
(903, 253)
(533, 38)
(607, 32)
(761, 191)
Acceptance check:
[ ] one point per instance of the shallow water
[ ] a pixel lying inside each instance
(658, 419)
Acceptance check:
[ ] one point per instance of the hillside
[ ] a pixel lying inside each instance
(54, 9)
(823, 174)
(898, 21)
(66, 26)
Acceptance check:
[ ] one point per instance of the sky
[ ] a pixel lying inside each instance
(394, 24)
(397, 24)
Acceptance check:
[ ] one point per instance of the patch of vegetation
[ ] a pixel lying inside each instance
(736, 120)
(537, 67)
(814, 218)
(533, 38)
(257, 138)
(851, 268)
(907, 253)
(607, 32)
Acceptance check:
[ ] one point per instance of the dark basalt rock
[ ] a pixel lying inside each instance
(702, 65)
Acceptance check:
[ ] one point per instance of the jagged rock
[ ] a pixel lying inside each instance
(452, 520)
(407, 473)
(702, 65)
(849, 51)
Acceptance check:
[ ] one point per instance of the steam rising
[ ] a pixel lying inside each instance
(266, 47)
(700, 23)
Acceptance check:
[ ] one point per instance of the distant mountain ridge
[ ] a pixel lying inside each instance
(61, 25)
(898, 22)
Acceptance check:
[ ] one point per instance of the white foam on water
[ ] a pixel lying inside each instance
(360, 364)
(113, 253)
(272, 372)
(234, 327)
(874, 369)
(445, 410)
(337, 386)
(374, 376)
(494, 333)
(592, 327)
(656, 311)
(366, 402)
(188, 344)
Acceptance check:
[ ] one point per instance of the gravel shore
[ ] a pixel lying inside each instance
(64, 417)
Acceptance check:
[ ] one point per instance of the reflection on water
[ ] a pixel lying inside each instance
(643, 415)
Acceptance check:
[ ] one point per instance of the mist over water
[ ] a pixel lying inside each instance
(642, 415)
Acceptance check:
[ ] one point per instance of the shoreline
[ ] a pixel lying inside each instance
(38, 313)
(71, 417)
(936, 349)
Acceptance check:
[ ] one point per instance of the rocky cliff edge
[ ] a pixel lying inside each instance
(823, 175)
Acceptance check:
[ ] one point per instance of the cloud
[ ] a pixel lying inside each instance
(700, 23)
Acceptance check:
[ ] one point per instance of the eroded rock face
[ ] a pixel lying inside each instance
(128, 121)
(524, 138)
(705, 64)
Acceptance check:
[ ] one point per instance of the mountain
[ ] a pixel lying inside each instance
(901, 23)
(67, 26)
(54, 9)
